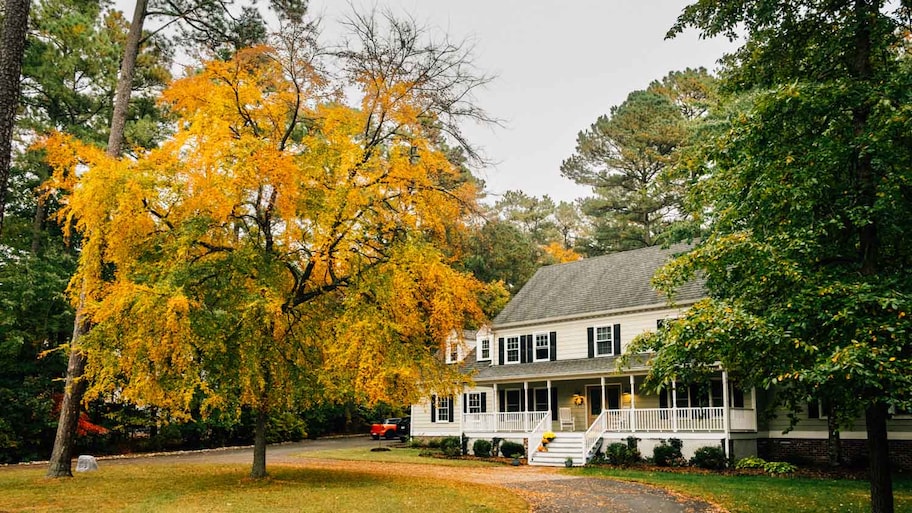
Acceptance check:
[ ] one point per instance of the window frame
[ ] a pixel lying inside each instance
(535, 347)
(507, 350)
(610, 341)
(476, 398)
(443, 409)
(482, 349)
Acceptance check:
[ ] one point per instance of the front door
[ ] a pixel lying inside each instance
(594, 400)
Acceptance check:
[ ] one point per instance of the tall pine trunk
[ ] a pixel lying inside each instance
(259, 445)
(61, 455)
(878, 451)
(12, 44)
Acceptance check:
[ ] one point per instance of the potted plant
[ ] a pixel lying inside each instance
(568, 462)
(547, 438)
(516, 457)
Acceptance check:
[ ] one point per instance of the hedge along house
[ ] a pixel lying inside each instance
(549, 362)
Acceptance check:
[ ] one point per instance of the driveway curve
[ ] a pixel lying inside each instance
(548, 490)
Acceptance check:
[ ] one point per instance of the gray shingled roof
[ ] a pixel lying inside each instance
(483, 372)
(598, 284)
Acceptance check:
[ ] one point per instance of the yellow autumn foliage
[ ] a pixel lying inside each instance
(268, 252)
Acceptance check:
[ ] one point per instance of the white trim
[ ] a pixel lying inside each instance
(535, 336)
(479, 356)
(595, 341)
(518, 340)
(592, 315)
(822, 435)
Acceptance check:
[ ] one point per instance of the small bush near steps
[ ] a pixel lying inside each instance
(710, 458)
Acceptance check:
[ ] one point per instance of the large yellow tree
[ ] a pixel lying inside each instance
(282, 246)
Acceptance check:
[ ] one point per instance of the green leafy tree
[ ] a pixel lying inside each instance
(499, 251)
(805, 199)
(626, 157)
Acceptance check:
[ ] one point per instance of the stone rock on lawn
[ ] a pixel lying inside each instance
(86, 463)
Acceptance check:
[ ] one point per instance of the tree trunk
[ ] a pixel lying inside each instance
(61, 461)
(65, 440)
(834, 442)
(259, 446)
(125, 80)
(878, 451)
(12, 44)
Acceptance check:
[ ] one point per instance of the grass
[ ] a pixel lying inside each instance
(208, 488)
(766, 494)
(399, 455)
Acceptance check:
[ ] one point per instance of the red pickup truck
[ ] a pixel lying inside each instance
(396, 427)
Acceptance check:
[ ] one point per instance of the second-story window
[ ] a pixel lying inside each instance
(512, 349)
(603, 342)
(542, 347)
(484, 349)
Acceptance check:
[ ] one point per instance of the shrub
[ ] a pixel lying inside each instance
(750, 462)
(711, 457)
(451, 446)
(434, 443)
(779, 467)
(481, 448)
(668, 454)
(621, 454)
(512, 449)
(464, 445)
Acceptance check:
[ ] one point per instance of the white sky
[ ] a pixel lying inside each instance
(559, 65)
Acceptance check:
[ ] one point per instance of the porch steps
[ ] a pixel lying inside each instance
(566, 445)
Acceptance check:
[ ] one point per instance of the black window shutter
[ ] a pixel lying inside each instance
(501, 400)
(465, 403)
(553, 403)
(813, 410)
(523, 354)
(738, 397)
(433, 408)
(530, 400)
(450, 407)
(484, 402)
(663, 398)
(590, 333)
(552, 350)
(500, 351)
(530, 355)
(617, 339)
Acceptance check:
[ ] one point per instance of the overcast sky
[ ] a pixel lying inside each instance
(559, 65)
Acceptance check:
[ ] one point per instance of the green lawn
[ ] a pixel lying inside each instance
(211, 488)
(401, 455)
(765, 494)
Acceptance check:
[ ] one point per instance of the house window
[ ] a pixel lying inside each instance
(443, 409)
(513, 350)
(541, 399)
(542, 347)
(452, 352)
(484, 349)
(513, 398)
(474, 402)
(818, 409)
(603, 345)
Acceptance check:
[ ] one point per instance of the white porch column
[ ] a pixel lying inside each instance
(633, 418)
(496, 413)
(602, 392)
(674, 406)
(550, 406)
(726, 416)
(525, 401)
(465, 408)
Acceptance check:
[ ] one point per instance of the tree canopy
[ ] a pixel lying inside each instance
(804, 199)
(281, 246)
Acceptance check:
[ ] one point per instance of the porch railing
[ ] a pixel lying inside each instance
(677, 419)
(521, 421)
(536, 436)
(594, 433)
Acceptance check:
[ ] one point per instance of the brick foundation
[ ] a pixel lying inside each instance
(814, 451)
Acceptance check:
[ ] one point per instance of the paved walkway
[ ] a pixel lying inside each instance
(548, 490)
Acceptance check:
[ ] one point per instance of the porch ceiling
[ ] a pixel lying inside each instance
(580, 368)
